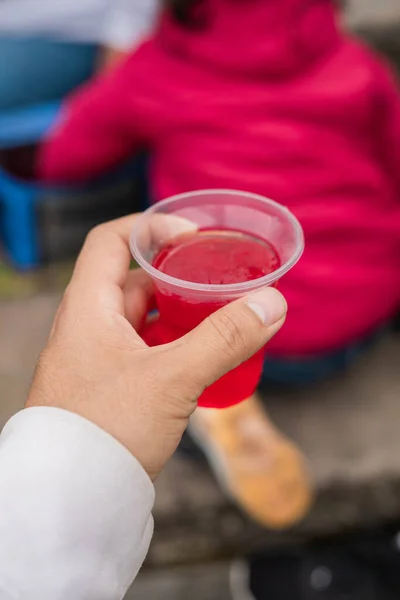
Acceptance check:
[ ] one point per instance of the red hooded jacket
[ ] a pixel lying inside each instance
(271, 97)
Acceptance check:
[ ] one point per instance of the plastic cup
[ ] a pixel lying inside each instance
(182, 305)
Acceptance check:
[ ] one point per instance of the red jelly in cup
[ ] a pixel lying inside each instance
(205, 249)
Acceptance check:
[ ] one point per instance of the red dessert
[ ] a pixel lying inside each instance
(217, 257)
(210, 257)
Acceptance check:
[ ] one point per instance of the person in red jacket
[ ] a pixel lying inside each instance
(270, 96)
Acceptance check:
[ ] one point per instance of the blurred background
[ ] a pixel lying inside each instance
(349, 545)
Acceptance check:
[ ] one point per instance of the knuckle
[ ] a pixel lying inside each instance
(67, 315)
(230, 335)
(41, 370)
(95, 233)
(66, 298)
(67, 303)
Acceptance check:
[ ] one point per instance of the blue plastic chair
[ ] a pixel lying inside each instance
(18, 198)
(26, 126)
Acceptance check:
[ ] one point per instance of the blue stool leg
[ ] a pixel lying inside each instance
(19, 225)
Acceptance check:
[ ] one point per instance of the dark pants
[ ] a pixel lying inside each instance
(298, 372)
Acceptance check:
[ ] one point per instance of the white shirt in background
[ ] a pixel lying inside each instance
(115, 23)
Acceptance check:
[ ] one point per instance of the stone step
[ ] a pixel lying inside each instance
(203, 582)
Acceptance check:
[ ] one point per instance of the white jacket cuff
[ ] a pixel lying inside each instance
(75, 509)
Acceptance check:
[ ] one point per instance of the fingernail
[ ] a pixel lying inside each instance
(268, 304)
(178, 225)
(165, 227)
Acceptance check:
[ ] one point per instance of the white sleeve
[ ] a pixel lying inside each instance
(75, 510)
(128, 22)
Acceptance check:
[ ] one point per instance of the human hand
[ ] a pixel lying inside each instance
(96, 365)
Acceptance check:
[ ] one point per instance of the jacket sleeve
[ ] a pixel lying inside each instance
(75, 510)
(100, 126)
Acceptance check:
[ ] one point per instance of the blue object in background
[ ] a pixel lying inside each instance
(35, 71)
(21, 200)
(35, 74)
(17, 221)
(27, 125)
(18, 198)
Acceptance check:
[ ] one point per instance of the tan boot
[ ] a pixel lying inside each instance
(264, 472)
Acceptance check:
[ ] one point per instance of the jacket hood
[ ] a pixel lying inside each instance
(256, 37)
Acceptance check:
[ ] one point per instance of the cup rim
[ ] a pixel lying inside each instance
(240, 288)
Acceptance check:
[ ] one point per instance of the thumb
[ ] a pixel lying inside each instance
(231, 335)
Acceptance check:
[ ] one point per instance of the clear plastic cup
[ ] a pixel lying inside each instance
(182, 304)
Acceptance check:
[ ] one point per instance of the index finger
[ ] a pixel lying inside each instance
(103, 265)
(102, 268)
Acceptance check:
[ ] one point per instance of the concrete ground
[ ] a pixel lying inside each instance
(24, 327)
(204, 582)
